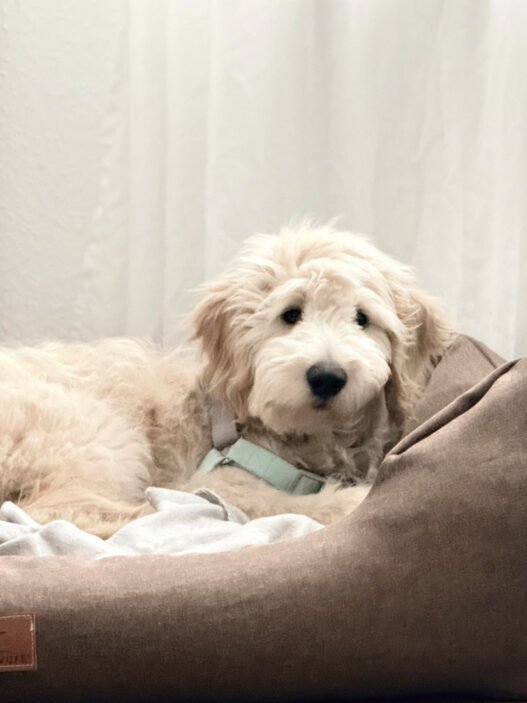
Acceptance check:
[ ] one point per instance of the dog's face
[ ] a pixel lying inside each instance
(307, 328)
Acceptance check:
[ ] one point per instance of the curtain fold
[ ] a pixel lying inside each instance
(217, 119)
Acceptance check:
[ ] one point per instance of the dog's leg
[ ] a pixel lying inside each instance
(95, 514)
(258, 499)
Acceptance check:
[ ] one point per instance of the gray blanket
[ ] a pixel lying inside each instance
(182, 523)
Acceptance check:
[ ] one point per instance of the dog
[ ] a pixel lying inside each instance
(315, 343)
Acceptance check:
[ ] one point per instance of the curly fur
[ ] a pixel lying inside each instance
(85, 428)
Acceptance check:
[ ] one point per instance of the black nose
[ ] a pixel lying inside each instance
(326, 380)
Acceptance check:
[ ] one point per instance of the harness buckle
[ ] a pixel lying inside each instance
(226, 461)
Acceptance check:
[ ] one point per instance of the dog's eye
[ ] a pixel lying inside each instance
(291, 316)
(361, 318)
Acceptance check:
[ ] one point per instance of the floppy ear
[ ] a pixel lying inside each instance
(209, 323)
(228, 371)
(426, 336)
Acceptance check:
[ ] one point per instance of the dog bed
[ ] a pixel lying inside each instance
(422, 590)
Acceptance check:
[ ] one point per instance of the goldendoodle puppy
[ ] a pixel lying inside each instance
(316, 348)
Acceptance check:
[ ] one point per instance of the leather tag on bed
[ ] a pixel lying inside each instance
(17, 643)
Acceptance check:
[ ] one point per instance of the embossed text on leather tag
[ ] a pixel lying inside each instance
(17, 643)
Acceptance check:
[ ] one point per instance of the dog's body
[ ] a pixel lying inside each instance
(319, 344)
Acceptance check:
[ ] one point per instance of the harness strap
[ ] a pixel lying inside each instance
(222, 423)
(252, 458)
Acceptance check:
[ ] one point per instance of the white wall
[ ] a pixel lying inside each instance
(142, 140)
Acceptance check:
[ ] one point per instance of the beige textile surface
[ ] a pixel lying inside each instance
(421, 590)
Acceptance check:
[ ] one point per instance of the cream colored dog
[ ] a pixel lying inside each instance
(318, 343)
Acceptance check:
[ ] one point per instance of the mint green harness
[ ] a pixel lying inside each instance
(252, 458)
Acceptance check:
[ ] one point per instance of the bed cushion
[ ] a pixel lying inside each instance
(466, 362)
(420, 591)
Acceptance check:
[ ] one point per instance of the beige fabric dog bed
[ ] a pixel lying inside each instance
(422, 590)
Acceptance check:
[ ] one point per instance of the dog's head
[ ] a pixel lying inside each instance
(306, 328)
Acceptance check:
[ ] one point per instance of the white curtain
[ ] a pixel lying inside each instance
(142, 141)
